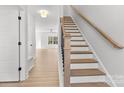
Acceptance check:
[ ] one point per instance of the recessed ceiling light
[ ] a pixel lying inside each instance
(43, 13)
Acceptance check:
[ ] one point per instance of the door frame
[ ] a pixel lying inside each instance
(23, 40)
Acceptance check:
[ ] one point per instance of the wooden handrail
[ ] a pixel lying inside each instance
(105, 35)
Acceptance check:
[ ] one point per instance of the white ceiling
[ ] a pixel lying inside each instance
(45, 24)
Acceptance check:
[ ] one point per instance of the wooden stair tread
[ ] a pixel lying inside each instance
(71, 29)
(90, 84)
(70, 26)
(68, 19)
(86, 60)
(81, 52)
(68, 22)
(79, 45)
(72, 32)
(86, 72)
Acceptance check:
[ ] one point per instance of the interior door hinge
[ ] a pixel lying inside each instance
(19, 69)
(19, 17)
(19, 43)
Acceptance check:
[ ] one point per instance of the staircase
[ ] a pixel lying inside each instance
(81, 67)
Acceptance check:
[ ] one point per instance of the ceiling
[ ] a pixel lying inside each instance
(45, 24)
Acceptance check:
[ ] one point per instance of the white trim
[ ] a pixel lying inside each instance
(32, 60)
(23, 46)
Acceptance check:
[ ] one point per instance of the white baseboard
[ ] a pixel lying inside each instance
(33, 59)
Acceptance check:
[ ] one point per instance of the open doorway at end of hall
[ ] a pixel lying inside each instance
(46, 40)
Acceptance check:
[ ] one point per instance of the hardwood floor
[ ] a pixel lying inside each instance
(44, 73)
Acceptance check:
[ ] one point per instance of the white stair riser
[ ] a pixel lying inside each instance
(77, 38)
(78, 43)
(80, 56)
(84, 66)
(71, 31)
(83, 79)
(79, 48)
(70, 28)
(75, 33)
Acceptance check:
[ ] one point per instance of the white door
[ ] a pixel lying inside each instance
(9, 49)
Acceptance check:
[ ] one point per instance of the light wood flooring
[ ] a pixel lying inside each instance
(44, 73)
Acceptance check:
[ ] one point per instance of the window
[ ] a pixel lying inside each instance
(52, 40)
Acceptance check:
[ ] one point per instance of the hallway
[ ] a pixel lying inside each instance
(44, 73)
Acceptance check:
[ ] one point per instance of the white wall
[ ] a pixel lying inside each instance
(110, 19)
(38, 40)
(66, 10)
(31, 36)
